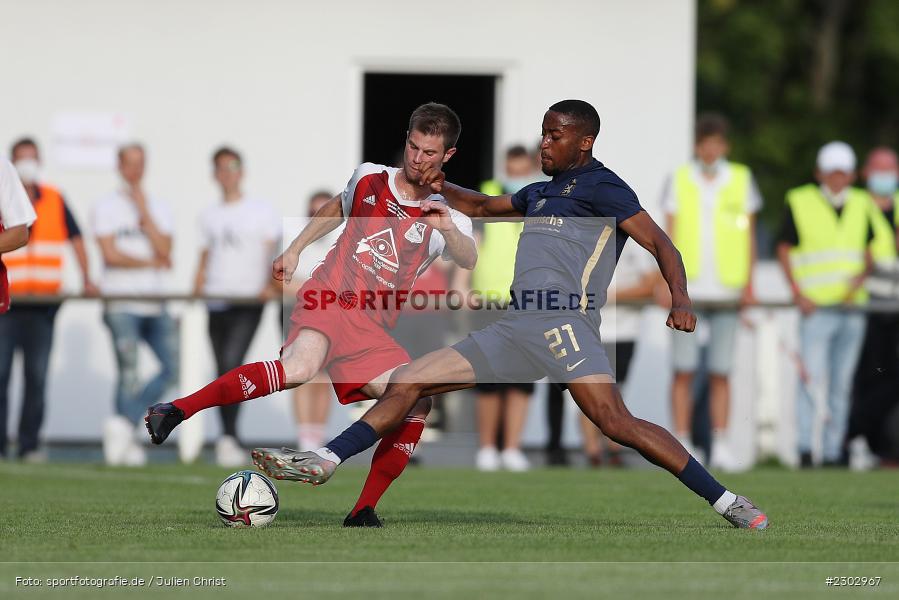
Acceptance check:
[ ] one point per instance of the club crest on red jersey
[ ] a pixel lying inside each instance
(416, 233)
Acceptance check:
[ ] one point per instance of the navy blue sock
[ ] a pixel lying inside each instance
(356, 438)
(695, 477)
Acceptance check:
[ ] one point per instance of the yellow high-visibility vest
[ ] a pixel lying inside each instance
(831, 248)
(730, 222)
(492, 276)
(883, 246)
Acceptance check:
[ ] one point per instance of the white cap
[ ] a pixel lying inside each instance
(836, 156)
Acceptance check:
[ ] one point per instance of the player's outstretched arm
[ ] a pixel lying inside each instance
(648, 234)
(13, 238)
(324, 221)
(469, 202)
(478, 205)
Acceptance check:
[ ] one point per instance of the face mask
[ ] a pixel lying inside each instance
(29, 170)
(883, 183)
(513, 184)
(710, 169)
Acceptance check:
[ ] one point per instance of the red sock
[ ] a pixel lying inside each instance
(243, 383)
(391, 457)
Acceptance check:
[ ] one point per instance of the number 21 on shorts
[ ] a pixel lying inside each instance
(556, 336)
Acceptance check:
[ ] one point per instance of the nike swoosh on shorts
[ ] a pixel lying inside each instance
(575, 365)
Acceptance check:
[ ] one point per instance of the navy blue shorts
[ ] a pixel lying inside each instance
(527, 346)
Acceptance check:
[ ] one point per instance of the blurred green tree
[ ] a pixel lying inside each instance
(792, 75)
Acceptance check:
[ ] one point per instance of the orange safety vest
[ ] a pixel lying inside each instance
(36, 268)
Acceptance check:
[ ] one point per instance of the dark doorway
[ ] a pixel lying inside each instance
(391, 97)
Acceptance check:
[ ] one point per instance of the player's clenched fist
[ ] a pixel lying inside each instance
(433, 176)
(284, 266)
(681, 319)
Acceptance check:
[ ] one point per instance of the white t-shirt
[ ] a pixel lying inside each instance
(707, 286)
(241, 237)
(15, 206)
(622, 323)
(116, 215)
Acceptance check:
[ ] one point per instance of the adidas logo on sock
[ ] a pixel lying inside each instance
(407, 448)
(247, 385)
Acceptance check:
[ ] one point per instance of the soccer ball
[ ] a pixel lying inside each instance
(246, 499)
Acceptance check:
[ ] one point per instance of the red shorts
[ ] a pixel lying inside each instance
(359, 349)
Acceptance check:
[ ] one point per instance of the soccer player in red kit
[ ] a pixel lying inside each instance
(344, 311)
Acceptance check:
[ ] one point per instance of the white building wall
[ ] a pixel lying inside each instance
(282, 81)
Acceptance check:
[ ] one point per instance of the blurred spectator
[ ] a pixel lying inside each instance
(36, 270)
(521, 168)
(710, 205)
(877, 375)
(312, 401)
(16, 216)
(134, 231)
(635, 278)
(823, 250)
(501, 408)
(239, 236)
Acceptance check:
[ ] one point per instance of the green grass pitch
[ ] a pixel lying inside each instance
(451, 533)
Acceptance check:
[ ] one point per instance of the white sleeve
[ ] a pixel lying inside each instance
(275, 229)
(438, 244)
(669, 202)
(754, 202)
(104, 222)
(349, 192)
(203, 227)
(15, 206)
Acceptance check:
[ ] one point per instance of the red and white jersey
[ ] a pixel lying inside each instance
(385, 245)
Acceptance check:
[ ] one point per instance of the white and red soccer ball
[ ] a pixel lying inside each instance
(246, 499)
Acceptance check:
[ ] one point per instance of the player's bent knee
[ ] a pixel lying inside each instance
(297, 372)
(406, 389)
(405, 380)
(402, 375)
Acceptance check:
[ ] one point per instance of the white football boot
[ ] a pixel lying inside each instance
(293, 465)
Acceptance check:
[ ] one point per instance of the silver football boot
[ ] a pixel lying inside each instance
(744, 514)
(293, 465)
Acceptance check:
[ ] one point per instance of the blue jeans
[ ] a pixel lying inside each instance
(830, 344)
(685, 347)
(160, 333)
(29, 328)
